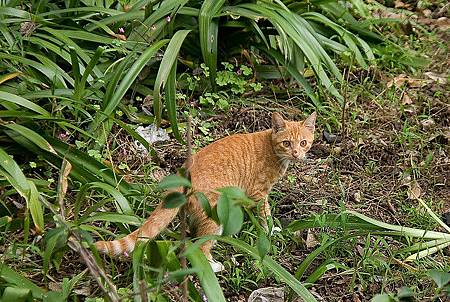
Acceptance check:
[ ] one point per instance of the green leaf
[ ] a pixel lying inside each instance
(230, 215)
(35, 207)
(405, 292)
(165, 68)
(174, 200)
(5, 220)
(439, 277)
(207, 278)
(12, 98)
(114, 217)
(322, 269)
(27, 189)
(173, 181)
(382, 298)
(171, 102)
(17, 294)
(262, 244)
(32, 136)
(122, 203)
(208, 29)
(14, 278)
(80, 85)
(204, 202)
(52, 239)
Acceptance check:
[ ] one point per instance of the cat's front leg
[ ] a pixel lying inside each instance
(266, 214)
(263, 208)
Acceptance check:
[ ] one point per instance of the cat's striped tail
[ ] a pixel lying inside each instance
(155, 223)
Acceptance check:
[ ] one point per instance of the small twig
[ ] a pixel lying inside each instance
(75, 239)
(62, 186)
(143, 291)
(343, 132)
(183, 224)
(95, 270)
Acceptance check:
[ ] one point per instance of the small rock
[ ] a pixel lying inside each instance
(406, 100)
(311, 240)
(357, 196)
(337, 150)
(427, 13)
(331, 138)
(151, 134)
(427, 124)
(414, 191)
(267, 294)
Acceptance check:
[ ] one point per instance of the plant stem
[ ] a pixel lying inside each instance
(183, 224)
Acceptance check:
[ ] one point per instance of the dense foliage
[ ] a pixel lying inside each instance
(73, 71)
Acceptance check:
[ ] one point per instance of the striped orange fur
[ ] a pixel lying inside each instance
(253, 162)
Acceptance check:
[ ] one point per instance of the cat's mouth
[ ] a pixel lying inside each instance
(299, 157)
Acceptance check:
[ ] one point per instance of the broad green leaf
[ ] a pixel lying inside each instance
(439, 277)
(204, 202)
(382, 298)
(27, 189)
(52, 238)
(174, 200)
(35, 206)
(262, 244)
(230, 215)
(17, 294)
(173, 181)
(14, 278)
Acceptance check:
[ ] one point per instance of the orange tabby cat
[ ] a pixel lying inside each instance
(252, 162)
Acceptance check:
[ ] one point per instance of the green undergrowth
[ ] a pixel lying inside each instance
(365, 217)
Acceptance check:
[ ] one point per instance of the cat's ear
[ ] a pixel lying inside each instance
(278, 123)
(310, 121)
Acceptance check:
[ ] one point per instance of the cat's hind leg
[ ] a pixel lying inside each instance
(208, 227)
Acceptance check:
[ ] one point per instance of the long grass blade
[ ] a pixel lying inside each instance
(208, 29)
(27, 189)
(32, 136)
(165, 68)
(12, 277)
(207, 278)
(132, 73)
(15, 99)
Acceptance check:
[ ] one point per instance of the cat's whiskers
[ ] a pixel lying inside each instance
(283, 163)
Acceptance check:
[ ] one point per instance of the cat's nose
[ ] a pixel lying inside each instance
(295, 153)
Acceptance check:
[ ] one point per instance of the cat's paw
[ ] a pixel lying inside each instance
(216, 266)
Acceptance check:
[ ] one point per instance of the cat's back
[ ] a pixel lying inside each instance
(227, 161)
(235, 144)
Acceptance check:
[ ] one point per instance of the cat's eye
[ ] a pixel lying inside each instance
(303, 143)
(286, 144)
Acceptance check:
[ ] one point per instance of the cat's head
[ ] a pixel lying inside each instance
(291, 140)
